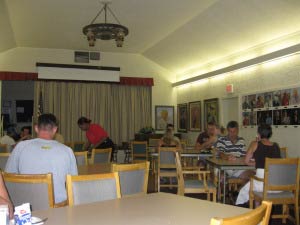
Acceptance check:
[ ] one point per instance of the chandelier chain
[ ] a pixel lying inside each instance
(97, 15)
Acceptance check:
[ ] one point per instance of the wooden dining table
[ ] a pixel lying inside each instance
(222, 165)
(94, 168)
(151, 209)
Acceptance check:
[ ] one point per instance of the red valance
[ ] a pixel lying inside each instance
(7, 75)
(138, 81)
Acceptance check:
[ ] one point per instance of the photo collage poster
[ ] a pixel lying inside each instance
(280, 107)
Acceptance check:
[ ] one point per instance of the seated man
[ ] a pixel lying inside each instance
(208, 138)
(169, 140)
(231, 147)
(25, 133)
(8, 140)
(44, 155)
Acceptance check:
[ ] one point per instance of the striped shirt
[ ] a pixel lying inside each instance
(237, 149)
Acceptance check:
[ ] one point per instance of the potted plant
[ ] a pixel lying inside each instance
(143, 134)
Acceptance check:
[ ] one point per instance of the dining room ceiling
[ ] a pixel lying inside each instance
(175, 34)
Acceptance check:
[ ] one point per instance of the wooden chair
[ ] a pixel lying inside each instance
(101, 155)
(139, 151)
(3, 148)
(78, 146)
(234, 184)
(183, 143)
(3, 159)
(81, 158)
(69, 144)
(126, 148)
(281, 186)
(133, 177)
(260, 215)
(92, 188)
(202, 185)
(153, 142)
(37, 189)
(166, 166)
(284, 152)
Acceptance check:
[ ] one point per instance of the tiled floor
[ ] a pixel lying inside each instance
(201, 196)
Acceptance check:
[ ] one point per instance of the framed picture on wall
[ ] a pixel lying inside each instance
(195, 116)
(182, 117)
(163, 115)
(211, 111)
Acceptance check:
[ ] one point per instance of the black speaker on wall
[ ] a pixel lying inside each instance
(94, 55)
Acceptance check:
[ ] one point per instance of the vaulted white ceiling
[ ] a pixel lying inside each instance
(175, 34)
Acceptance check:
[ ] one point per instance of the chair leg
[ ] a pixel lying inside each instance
(284, 213)
(158, 183)
(214, 195)
(297, 213)
(251, 202)
(208, 196)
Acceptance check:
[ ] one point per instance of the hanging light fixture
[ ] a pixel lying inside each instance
(105, 31)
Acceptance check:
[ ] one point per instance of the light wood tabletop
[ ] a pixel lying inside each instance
(95, 168)
(151, 209)
(238, 164)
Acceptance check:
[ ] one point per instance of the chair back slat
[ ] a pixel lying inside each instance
(280, 186)
(35, 189)
(78, 146)
(139, 150)
(180, 178)
(260, 215)
(101, 158)
(3, 148)
(167, 157)
(92, 188)
(133, 177)
(283, 152)
(19, 193)
(3, 160)
(282, 174)
(101, 155)
(153, 142)
(81, 158)
(132, 182)
(84, 192)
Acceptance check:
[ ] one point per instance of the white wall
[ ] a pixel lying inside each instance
(282, 73)
(7, 39)
(132, 65)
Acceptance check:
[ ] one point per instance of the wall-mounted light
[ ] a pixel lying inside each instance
(248, 63)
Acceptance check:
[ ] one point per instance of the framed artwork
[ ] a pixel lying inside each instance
(295, 96)
(211, 111)
(276, 108)
(163, 115)
(182, 117)
(195, 116)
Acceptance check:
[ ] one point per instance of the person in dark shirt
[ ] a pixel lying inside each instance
(257, 153)
(208, 138)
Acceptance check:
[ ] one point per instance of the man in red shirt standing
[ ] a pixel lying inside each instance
(97, 137)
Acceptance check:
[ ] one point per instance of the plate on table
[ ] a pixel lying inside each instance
(37, 221)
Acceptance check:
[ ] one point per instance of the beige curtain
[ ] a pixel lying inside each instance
(121, 110)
